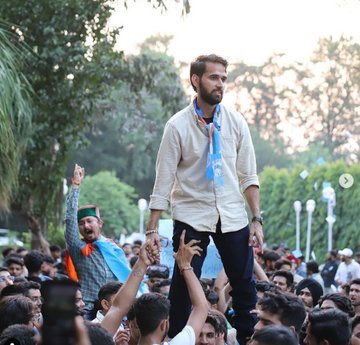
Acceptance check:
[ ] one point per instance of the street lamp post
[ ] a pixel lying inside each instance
(142, 204)
(297, 207)
(310, 207)
(329, 196)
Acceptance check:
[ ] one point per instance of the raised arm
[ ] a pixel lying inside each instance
(200, 308)
(125, 297)
(72, 236)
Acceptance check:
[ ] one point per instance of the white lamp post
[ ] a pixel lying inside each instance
(297, 208)
(329, 196)
(142, 204)
(310, 207)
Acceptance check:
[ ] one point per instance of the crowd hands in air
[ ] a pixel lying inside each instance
(297, 302)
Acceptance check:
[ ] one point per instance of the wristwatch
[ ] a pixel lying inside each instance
(257, 219)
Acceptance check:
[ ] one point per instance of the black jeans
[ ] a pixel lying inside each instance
(238, 260)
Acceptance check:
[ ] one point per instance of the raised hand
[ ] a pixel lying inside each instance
(79, 174)
(145, 254)
(122, 337)
(186, 251)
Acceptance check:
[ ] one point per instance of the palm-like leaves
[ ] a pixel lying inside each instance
(15, 115)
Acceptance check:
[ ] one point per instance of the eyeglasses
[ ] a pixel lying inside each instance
(6, 278)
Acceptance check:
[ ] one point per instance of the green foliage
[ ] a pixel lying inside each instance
(15, 114)
(56, 235)
(115, 199)
(281, 187)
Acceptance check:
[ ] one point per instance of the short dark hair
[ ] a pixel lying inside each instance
(264, 285)
(20, 249)
(19, 334)
(14, 290)
(271, 256)
(160, 284)
(15, 309)
(55, 248)
(150, 309)
(158, 271)
(341, 301)
(279, 263)
(275, 334)
(220, 325)
(33, 261)
(98, 334)
(289, 308)
(198, 66)
(287, 275)
(312, 266)
(331, 325)
(6, 251)
(212, 297)
(355, 281)
(14, 260)
(109, 289)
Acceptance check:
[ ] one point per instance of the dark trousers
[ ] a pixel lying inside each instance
(238, 260)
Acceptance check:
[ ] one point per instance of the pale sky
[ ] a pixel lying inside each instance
(239, 30)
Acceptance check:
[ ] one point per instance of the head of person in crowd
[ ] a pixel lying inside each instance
(15, 265)
(90, 222)
(98, 334)
(331, 255)
(33, 261)
(346, 255)
(55, 251)
(7, 251)
(48, 267)
(22, 251)
(284, 280)
(107, 294)
(281, 309)
(355, 331)
(79, 302)
(283, 265)
(310, 291)
(134, 329)
(16, 310)
(269, 261)
(354, 294)
(126, 247)
(20, 280)
(13, 290)
(136, 247)
(328, 327)
(213, 299)
(274, 335)
(162, 287)
(312, 267)
(156, 273)
(34, 293)
(214, 331)
(5, 278)
(338, 301)
(18, 334)
(152, 315)
(263, 286)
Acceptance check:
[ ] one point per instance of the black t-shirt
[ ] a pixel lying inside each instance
(208, 119)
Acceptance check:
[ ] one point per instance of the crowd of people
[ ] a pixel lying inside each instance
(95, 291)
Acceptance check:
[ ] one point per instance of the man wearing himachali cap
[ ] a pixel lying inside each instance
(94, 260)
(348, 270)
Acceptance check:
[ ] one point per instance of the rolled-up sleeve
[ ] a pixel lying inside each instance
(168, 158)
(246, 160)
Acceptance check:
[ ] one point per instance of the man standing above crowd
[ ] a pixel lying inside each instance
(349, 269)
(205, 167)
(96, 260)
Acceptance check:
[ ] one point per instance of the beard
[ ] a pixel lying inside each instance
(211, 98)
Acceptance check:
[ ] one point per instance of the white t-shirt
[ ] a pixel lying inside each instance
(345, 273)
(185, 337)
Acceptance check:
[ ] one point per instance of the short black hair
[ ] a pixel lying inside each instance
(331, 325)
(198, 66)
(13, 290)
(289, 308)
(341, 301)
(264, 285)
(287, 275)
(160, 284)
(33, 261)
(158, 271)
(355, 281)
(312, 266)
(15, 309)
(17, 334)
(271, 256)
(6, 251)
(98, 334)
(11, 259)
(150, 309)
(55, 248)
(109, 289)
(280, 262)
(221, 322)
(275, 334)
(212, 297)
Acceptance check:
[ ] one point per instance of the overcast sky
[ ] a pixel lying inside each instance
(240, 30)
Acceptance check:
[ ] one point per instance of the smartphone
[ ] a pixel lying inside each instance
(59, 312)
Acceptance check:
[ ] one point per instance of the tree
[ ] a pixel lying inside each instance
(115, 199)
(15, 114)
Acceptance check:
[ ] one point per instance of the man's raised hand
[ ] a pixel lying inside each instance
(186, 251)
(79, 174)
